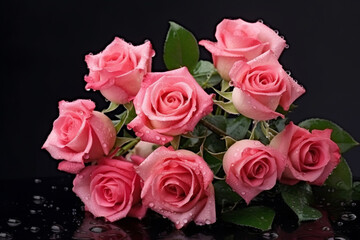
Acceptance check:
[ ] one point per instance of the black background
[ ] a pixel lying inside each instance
(43, 44)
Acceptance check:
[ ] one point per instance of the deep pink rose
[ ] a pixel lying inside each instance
(252, 167)
(261, 85)
(168, 104)
(311, 157)
(240, 40)
(118, 70)
(177, 184)
(79, 135)
(110, 189)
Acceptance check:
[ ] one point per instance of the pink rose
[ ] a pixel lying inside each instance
(141, 151)
(177, 184)
(240, 40)
(118, 71)
(169, 104)
(252, 167)
(110, 189)
(261, 85)
(79, 135)
(311, 157)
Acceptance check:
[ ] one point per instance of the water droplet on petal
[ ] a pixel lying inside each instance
(157, 138)
(151, 204)
(185, 221)
(288, 72)
(208, 221)
(276, 31)
(13, 222)
(243, 193)
(287, 46)
(260, 21)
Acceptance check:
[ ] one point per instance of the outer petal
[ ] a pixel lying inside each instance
(252, 108)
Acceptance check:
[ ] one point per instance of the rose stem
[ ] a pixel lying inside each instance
(128, 146)
(213, 128)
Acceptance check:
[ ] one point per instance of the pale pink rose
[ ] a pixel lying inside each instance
(311, 157)
(261, 85)
(110, 189)
(118, 70)
(79, 135)
(240, 40)
(177, 184)
(141, 151)
(252, 167)
(169, 104)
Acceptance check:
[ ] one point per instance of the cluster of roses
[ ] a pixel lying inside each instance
(178, 183)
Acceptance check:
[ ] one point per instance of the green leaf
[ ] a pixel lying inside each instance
(224, 85)
(341, 177)
(338, 135)
(224, 195)
(238, 127)
(112, 107)
(226, 95)
(120, 123)
(227, 106)
(176, 142)
(205, 74)
(259, 217)
(229, 141)
(218, 120)
(120, 141)
(298, 197)
(213, 162)
(181, 48)
(214, 144)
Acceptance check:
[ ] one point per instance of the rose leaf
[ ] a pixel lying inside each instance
(341, 177)
(237, 127)
(298, 197)
(338, 135)
(205, 74)
(112, 107)
(213, 162)
(259, 217)
(181, 48)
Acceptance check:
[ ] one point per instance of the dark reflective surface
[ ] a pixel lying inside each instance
(48, 209)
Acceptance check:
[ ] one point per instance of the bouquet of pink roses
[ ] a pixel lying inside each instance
(199, 142)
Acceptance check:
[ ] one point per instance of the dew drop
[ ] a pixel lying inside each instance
(288, 72)
(282, 37)
(36, 180)
(353, 204)
(5, 236)
(98, 229)
(147, 131)
(177, 222)
(86, 156)
(348, 217)
(340, 224)
(260, 21)
(32, 211)
(13, 222)
(326, 228)
(243, 193)
(34, 229)
(56, 228)
(277, 32)
(231, 83)
(53, 187)
(151, 204)
(81, 176)
(38, 199)
(287, 46)
(87, 89)
(157, 138)
(207, 222)
(185, 221)
(66, 189)
(105, 145)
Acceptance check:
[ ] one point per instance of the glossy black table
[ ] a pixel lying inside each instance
(48, 209)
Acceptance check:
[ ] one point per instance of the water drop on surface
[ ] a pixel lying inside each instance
(287, 46)
(13, 222)
(34, 229)
(277, 32)
(260, 21)
(185, 220)
(157, 138)
(32, 211)
(151, 204)
(348, 217)
(38, 199)
(326, 228)
(53, 187)
(208, 222)
(288, 72)
(340, 224)
(98, 229)
(353, 204)
(56, 228)
(5, 236)
(66, 189)
(36, 180)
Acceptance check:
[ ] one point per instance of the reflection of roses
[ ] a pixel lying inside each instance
(110, 189)
(168, 104)
(118, 71)
(177, 184)
(251, 167)
(261, 85)
(79, 135)
(311, 157)
(240, 40)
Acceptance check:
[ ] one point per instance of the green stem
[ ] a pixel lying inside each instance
(213, 128)
(252, 135)
(128, 146)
